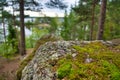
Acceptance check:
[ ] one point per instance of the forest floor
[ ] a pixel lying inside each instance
(8, 67)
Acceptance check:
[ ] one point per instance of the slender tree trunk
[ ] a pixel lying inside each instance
(22, 31)
(14, 23)
(93, 22)
(4, 33)
(102, 20)
(3, 24)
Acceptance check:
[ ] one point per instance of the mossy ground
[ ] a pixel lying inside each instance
(105, 63)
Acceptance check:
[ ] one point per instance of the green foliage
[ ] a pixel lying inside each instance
(113, 14)
(12, 37)
(6, 14)
(51, 26)
(10, 46)
(83, 9)
(72, 30)
(83, 12)
(104, 65)
(65, 31)
(6, 50)
(54, 25)
(35, 36)
(30, 42)
(69, 26)
(37, 33)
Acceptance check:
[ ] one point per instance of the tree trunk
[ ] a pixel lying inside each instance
(14, 23)
(22, 31)
(102, 20)
(3, 24)
(92, 23)
(4, 32)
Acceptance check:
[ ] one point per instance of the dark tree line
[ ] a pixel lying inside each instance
(94, 19)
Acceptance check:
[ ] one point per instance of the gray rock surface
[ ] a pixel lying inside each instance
(40, 67)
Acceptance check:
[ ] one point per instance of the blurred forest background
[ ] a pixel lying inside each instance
(82, 22)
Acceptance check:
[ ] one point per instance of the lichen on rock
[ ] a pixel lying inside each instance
(40, 68)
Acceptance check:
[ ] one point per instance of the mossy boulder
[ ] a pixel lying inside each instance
(26, 60)
(74, 60)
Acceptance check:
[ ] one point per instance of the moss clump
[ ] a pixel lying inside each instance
(105, 64)
(64, 70)
(114, 71)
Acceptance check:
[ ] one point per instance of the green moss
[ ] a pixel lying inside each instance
(114, 71)
(105, 64)
(64, 70)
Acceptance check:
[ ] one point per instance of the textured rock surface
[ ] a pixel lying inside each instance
(40, 68)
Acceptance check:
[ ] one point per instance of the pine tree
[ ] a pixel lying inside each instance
(102, 19)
